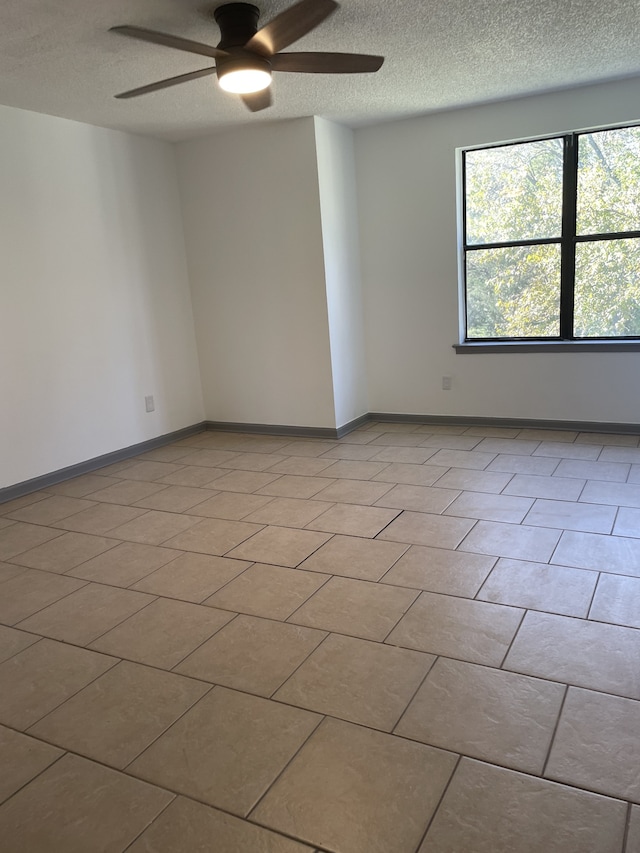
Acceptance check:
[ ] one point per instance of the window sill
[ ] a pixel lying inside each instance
(547, 346)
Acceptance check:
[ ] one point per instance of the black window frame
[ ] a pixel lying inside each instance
(568, 240)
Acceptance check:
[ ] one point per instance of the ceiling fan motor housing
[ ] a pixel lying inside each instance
(238, 22)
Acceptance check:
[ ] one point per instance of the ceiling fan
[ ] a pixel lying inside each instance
(246, 55)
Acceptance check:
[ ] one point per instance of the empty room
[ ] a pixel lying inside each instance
(319, 427)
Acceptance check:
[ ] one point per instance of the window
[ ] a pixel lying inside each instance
(552, 239)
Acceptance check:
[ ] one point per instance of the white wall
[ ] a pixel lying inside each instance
(95, 311)
(338, 205)
(407, 211)
(251, 212)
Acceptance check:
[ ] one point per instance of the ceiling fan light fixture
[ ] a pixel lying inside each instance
(243, 81)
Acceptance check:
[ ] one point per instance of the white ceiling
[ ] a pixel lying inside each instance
(57, 57)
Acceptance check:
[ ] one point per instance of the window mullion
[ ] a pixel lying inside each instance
(568, 241)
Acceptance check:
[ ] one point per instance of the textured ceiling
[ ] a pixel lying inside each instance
(57, 57)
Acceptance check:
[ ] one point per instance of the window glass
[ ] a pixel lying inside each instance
(609, 181)
(514, 192)
(607, 291)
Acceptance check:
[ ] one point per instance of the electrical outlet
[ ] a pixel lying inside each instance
(149, 405)
(446, 383)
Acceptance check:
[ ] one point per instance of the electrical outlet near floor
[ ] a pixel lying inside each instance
(149, 404)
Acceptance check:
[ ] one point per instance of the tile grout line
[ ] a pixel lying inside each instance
(439, 803)
(553, 735)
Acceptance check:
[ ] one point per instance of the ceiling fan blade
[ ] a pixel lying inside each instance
(326, 63)
(291, 25)
(169, 41)
(257, 101)
(164, 84)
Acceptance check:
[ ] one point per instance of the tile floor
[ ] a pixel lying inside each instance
(417, 639)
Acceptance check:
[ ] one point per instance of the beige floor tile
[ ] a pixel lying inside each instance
(187, 826)
(616, 494)
(9, 570)
(490, 507)
(357, 680)
(617, 600)
(213, 536)
(493, 432)
(525, 465)
(485, 713)
(253, 655)
(352, 452)
(421, 528)
(567, 515)
(80, 487)
(350, 556)
(549, 435)
(230, 506)
(244, 481)
(615, 554)
(521, 542)
(38, 679)
(127, 492)
(358, 791)
(77, 806)
(65, 552)
(281, 546)
(561, 449)
(100, 519)
(25, 500)
(20, 537)
(270, 591)
(397, 439)
(411, 455)
(253, 461)
(620, 455)
(627, 522)
(305, 466)
(168, 453)
(538, 586)
(354, 520)
(579, 652)
(349, 470)
(615, 472)
(191, 577)
(473, 481)
(607, 439)
(86, 614)
(634, 474)
(196, 476)
(163, 633)
(208, 458)
(597, 744)
(307, 448)
(252, 443)
(353, 492)
(23, 758)
(515, 446)
(118, 715)
(535, 486)
(125, 564)
(6, 522)
(491, 810)
(148, 471)
(440, 429)
(410, 475)
(288, 512)
(50, 510)
(176, 498)
(292, 486)
(227, 750)
(440, 570)
(473, 459)
(154, 527)
(458, 628)
(354, 607)
(633, 836)
(30, 591)
(451, 442)
(418, 498)
(13, 641)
